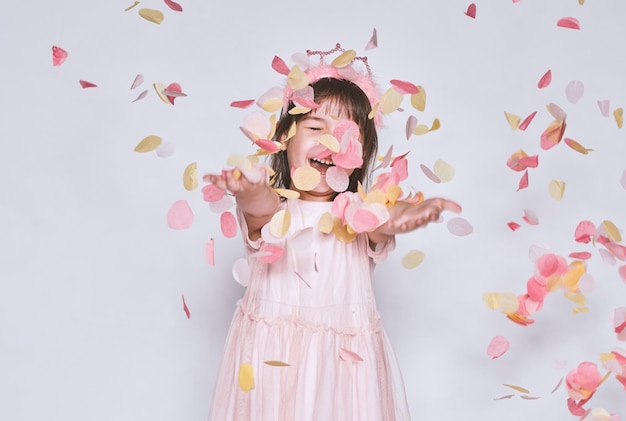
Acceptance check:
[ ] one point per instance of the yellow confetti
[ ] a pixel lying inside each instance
(393, 193)
(270, 135)
(148, 144)
(292, 131)
(297, 79)
(578, 310)
(298, 110)
(513, 120)
(236, 173)
(507, 301)
(612, 231)
(341, 231)
(518, 388)
(420, 129)
(271, 105)
(581, 2)
(330, 142)
(443, 170)
(131, 6)
(325, 224)
(375, 196)
(579, 299)
(619, 117)
(280, 222)
(276, 363)
(571, 278)
(287, 193)
(436, 125)
(246, 377)
(554, 282)
(152, 15)
(391, 101)
(412, 259)
(306, 178)
(577, 146)
(344, 59)
(159, 88)
(190, 177)
(418, 100)
(374, 111)
(557, 188)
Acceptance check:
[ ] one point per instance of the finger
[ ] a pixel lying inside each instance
(451, 206)
(216, 180)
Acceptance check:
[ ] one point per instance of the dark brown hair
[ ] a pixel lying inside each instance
(349, 98)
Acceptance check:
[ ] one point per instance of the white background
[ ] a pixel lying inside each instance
(91, 318)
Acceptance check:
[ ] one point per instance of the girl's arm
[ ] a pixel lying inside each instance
(257, 200)
(405, 217)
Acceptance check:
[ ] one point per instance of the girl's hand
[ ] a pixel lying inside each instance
(405, 217)
(238, 185)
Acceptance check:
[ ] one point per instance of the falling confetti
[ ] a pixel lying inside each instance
(604, 106)
(513, 120)
(149, 143)
(568, 22)
(545, 80)
(185, 308)
(349, 356)
(165, 150)
(497, 347)
(460, 227)
(306, 178)
(86, 84)
(209, 252)
(557, 189)
(526, 122)
(274, 363)
(412, 259)
(242, 104)
(471, 11)
(246, 377)
(173, 5)
(137, 81)
(142, 95)
(228, 224)
(574, 91)
(131, 6)
(518, 388)
(443, 170)
(58, 55)
(618, 113)
(190, 177)
(151, 15)
(180, 215)
(373, 41)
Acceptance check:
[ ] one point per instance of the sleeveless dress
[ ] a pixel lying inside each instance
(306, 341)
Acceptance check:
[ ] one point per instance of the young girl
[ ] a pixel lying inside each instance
(306, 341)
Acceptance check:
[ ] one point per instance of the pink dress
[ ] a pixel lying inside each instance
(314, 310)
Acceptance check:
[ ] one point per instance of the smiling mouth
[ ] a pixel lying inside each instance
(321, 164)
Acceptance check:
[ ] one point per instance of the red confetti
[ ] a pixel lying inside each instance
(545, 79)
(513, 225)
(582, 255)
(471, 11)
(58, 55)
(86, 84)
(571, 23)
(185, 308)
(173, 5)
(279, 65)
(523, 182)
(404, 87)
(242, 104)
(524, 124)
(170, 91)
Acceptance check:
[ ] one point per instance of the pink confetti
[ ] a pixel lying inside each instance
(337, 179)
(530, 398)
(180, 215)
(582, 255)
(524, 124)
(142, 95)
(86, 84)
(623, 179)
(497, 347)
(267, 145)
(557, 385)
(471, 11)
(173, 5)
(619, 321)
(604, 106)
(460, 227)
(349, 356)
(430, 174)
(373, 42)
(411, 122)
(228, 224)
(212, 193)
(271, 253)
(58, 55)
(404, 87)
(279, 65)
(137, 81)
(574, 91)
(523, 182)
(185, 308)
(569, 22)
(209, 252)
(513, 225)
(530, 217)
(242, 104)
(584, 232)
(622, 272)
(545, 80)
(503, 397)
(171, 91)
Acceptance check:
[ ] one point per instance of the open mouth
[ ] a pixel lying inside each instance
(321, 164)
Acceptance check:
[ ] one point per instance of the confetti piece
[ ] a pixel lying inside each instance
(411, 123)
(302, 279)
(337, 179)
(568, 22)
(545, 80)
(278, 64)
(373, 41)
(289, 194)
(344, 59)
(306, 178)
(349, 356)
(459, 227)
(151, 15)
(228, 224)
(524, 124)
(443, 170)
(412, 259)
(622, 180)
(503, 397)
(242, 104)
(159, 88)
(513, 225)
(576, 146)
(86, 84)
(431, 175)
(131, 6)
(276, 363)
(137, 81)
(523, 182)
(280, 222)
(612, 231)
(149, 143)
(180, 215)
(420, 129)
(513, 120)
(557, 385)
(58, 55)
(325, 223)
(209, 252)
(246, 377)
(507, 301)
(173, 5)
(604, 106)
(404, 87)
(270, 253)
(530, 217)
(618, 113)
(518, 388)
(557, 188)
(142, 95)
(471, 11)
(190, 177)
(497, 347)
(165, 150)
(185, 308)
(173, 91)
(557, 112)
(418, 100)
(530, 398)
(574, 91)
(582, 255)
(390, 101)
(622, 272)
(212, 193)
(553, 134)
(241, 271)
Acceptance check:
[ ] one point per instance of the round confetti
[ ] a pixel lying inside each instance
(306, 178)
(337, 179)
(443, 170)
(148, 143)
(165, 150)
(180, 215)
(412, 259)
(460, 227)
(280, 222)
(557, 189)
(497, 347)
(228, 224)
(190, 177)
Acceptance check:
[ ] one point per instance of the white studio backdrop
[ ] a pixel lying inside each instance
(92, 325)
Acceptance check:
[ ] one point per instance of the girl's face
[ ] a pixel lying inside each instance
(303, 147)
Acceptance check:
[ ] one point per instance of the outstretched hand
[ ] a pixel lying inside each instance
(405, 217)
(233, 181)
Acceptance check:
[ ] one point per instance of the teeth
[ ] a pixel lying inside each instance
(323, 161)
